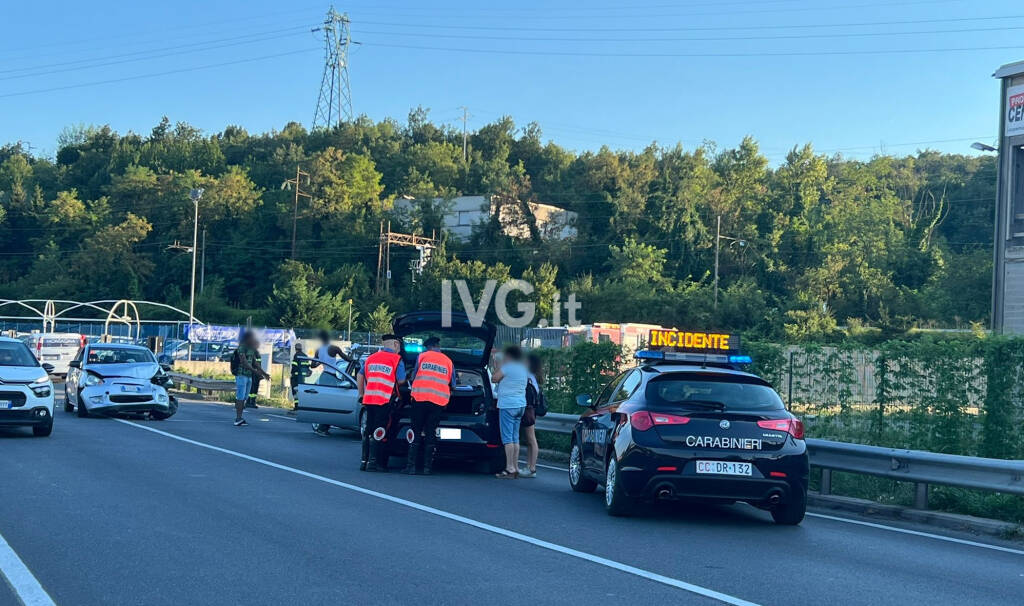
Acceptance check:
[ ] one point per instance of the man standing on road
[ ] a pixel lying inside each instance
(245, 367)
(254, 389)
(378, 382)
(326, 356)
(432, 382)
(300, 370)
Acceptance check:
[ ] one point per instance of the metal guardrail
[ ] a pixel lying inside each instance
(201, 384)
(921, 467)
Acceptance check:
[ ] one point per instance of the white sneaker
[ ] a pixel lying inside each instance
(526, 473)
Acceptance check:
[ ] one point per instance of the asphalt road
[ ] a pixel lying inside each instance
(201, 512)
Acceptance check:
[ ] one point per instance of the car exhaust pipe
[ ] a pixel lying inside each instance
(664, 491)
(774, 498)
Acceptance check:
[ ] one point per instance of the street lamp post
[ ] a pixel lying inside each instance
(195, 194)
(350, 319)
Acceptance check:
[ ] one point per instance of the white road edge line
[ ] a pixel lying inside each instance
(25, 586)
(279, 416)
(639, 572)
(917, 533)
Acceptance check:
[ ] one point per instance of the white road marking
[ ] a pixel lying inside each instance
(281, 417)
(546, 466)
(639, 572)
(916, 533)
(20, 578)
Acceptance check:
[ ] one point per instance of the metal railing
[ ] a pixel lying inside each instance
(921, 467)
(201, 384)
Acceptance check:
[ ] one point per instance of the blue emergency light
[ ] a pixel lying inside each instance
(646, 354)
(414, 348)
(741, 360)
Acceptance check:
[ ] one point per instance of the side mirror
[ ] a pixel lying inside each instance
(75, 364)
(584, 400)
(48, 368)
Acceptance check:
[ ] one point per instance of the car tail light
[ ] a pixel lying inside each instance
(643, 420)
(793, 427)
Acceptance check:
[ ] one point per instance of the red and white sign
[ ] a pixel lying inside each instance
(1015, 111)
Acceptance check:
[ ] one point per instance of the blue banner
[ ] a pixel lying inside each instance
(211, 333)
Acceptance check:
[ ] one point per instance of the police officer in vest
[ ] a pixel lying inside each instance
(431, 390)
(378, 381)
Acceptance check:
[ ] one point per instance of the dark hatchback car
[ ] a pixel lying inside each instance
(468, 430)
(690, 431)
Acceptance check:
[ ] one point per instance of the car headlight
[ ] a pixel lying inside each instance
(91, 379)
(41, 386)
(161, 398)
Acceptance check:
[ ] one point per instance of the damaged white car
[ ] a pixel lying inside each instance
(110, 378)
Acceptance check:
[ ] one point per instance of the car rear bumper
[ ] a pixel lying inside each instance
(660, 475)
(473, 442)
(26, 417)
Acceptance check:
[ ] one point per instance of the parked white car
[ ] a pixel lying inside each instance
(56, 348)
(111, 378)
(26, 392)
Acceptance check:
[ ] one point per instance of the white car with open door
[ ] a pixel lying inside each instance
(329, 397)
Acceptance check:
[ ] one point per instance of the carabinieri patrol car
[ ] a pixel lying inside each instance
(688, 424)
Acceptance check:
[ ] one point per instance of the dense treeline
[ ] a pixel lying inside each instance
(893, 242)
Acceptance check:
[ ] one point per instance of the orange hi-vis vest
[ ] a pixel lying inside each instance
(380, 371)
(432, 382)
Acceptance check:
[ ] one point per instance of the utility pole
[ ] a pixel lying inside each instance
(334, 104)
(196, 195)
(718, 240)
(424, 245)
(297, 183)
(465, 117)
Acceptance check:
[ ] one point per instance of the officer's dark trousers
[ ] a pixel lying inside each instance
(425, 417)
(376, 418)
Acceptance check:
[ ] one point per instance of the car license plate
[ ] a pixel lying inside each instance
(725, 468)
(131, 388)
(5, 404)
(449, 433)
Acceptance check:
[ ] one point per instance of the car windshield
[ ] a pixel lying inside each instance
(16, 354)
(702, 391)
(119, 355)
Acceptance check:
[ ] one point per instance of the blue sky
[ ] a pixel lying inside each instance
(783, 71)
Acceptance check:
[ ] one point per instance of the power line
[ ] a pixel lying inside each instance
(648, 39)
(818, 53)
(731, 13)
(155, 74)
(146, 55)
(698, 28)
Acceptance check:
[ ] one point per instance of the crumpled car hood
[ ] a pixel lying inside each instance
(144, 371)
